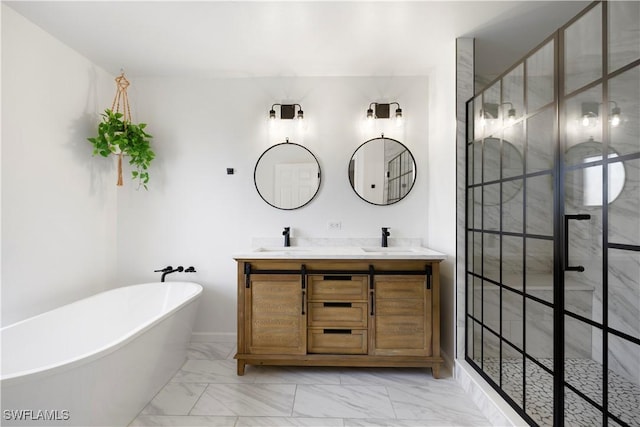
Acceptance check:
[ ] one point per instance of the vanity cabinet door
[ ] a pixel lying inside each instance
(275, 315)
(402, 317)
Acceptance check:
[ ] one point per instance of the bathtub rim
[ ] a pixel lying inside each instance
(84, 358)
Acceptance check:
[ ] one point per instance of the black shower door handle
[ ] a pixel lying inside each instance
(578, 217)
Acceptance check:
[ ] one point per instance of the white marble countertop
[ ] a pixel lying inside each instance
(342, 252)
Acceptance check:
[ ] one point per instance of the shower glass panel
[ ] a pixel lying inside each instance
(512, 319)
(624, 27)
(513, 155)
(539, 403)
(512, 373)
(541, 140)
(624, 92)
(540, 68)
(583, 50)
(513, 95)
(553, 233)
(622, 384)
(539, 206)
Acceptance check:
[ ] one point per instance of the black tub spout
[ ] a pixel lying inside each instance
(168, 270)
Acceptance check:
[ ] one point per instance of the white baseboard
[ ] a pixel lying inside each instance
(491, 404)
(213, 337)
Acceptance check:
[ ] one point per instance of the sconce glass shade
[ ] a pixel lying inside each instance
(399, 119)
(589, 119)
(615, 116)
(272, 114)
(590, 114)
(483, 119)
(370, 114)
(300, 114)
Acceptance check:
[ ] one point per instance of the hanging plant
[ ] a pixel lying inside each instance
(118, 135)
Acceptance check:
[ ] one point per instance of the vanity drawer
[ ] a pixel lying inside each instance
(337, 288)
(337, 341)
(338, 314)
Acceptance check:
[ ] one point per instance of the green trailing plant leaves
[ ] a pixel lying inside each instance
(115, 135)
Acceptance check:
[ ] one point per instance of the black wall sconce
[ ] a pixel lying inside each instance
(489, 111)
(383, 111)
(287, 111)
(591, 112)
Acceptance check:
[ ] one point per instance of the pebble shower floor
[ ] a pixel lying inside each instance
(585, 375)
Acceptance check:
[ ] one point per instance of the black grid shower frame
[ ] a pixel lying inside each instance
(604, 327)
(397, 179)
(558, 179)
(524, 235)
(480, 321)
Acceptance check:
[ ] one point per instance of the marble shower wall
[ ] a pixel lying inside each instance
(464, 92)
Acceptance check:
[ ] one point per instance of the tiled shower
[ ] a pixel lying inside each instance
(553, 227)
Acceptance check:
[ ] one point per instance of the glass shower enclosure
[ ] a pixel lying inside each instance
(553, 225)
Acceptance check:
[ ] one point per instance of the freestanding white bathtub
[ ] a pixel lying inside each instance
(97, 361)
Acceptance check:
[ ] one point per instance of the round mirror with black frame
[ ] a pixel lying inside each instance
(496, 154)
(583, 184)
(382, 171)
(287, 176)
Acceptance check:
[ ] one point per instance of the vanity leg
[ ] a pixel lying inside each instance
(435, 370)
(241, 365)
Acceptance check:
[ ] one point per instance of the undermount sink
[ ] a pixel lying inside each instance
(388, 250)
(284, 249)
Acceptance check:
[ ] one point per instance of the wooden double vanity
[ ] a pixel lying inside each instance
(339, 307)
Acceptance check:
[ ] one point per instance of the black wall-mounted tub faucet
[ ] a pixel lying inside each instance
(168, 270)
(287, 236)
(385, 234)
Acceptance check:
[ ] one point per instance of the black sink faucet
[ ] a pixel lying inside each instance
(168, 270)
(287, 236)
(385, 234)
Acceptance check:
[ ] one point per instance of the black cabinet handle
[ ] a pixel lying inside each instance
(372, 311)
(337, 331)
(337, 304)
(578, 217)
(303, 296)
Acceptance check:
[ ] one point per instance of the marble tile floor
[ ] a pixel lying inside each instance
(207, 392)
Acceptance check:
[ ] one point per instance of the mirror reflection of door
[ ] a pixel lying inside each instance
(382, 171)
(287, 176)
(295, 184)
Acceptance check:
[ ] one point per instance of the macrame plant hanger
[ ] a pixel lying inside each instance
(121, 101)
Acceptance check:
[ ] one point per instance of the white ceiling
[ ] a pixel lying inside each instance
(294, 38)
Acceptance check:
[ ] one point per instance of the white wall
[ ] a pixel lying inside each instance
(58, 202)
(441, 191)
(61, 240)
(196, 214)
